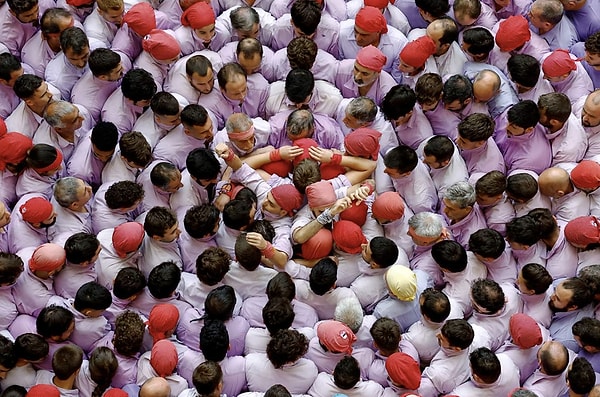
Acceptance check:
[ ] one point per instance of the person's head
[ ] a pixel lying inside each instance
(199, 72)
(456, 334)
(135, 149)
(166, 110)
(38, 212)
(200, 17)
(369, 25)
(124, 196)
(161, 46)
(240, 131)
(92, 299)
(232, 82)
(413, 57)
(545, 14)
(238, 214)
(486, 86)
(443, 32)
(558, 66)
(47, 260)
(138, 86)
(546, 222)
(212, 265)
(522, 118)
(202, 221)
(105, 64)
(553, 358)
(555, 182)
(129, 333)
(246, 22)
(249, 54)
(203, 166)
(474, 131)
(111, 10)
(386, 334)
(434, 305)
(72, 193)
(477, 42)
(105, 137)
(380, 252)
(432, 10)
(571, 294)
(458, 93)
(346, 373)
(207, 379)
(581, 377)
(401, 283)
(10, 69)
(20, 391)
(360, 112)
(590, 113)
(429, 89)
(53, 22)
(64, 117)
(281, 286)
(438, 152)
(398, 104)
(55, 323)
(485, 366)
(349, 311)
(590, 275)
(400, 161)
(555, 109)
(214, 340)
(103, 366)
(26, 11)
(278, 314)
(592, 50)
(305, 17)
(129, 283)
(247, 255)
(31, 347)
(487, 296)
(299, 85)
(487, 244)
(11, 267)
(300, 124)
(67, 361)
(426, 228)
(166, 177)
(161, 224)
(524, 71)
(490, 188)
(163, 280)
(301, 53)
(34, 92)
(196, 122)
(75, 46)
(285, 347)
(155, 387)
(306, 172)
(522, 232)
(587, 334)
(521, 187)
(450, 256)
(277, 391)
(323, 276)
(219, 303)
(459, 199)
(8, 358)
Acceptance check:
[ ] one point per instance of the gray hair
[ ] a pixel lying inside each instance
(362, 109)
(56, 111)
(462, 194)
(244, 18)
(238, 122)
(552, 11)
(298, 121)
(65, 191)
(427, 224)
(350, 312)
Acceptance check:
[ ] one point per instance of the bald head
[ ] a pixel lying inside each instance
(553, 358)
(155, 387)
(555, 182)
(486, 85)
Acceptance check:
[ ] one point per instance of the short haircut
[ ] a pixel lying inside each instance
(66, 191)
(556, 105)
(299, 85)
(236, 214)
(386, 333)
(123, 194)
(9, 64)
(14, 391)
(202, 164)
(485, 364)
(363, 109)
(346, 373)
(135, 148)
(164, 104)
(198, 64)
(306, 15)
(278, 314)
(26, 85)
(521, 186)
(249, 47)
(384, 251)
(74, 39)
(429, 88)
(31, 347)
(476, 127)
(21, 6)
(277, 391)
(581, 376)
(301, 53)
(194, 115)
(427, 224)
(8, 358)
(471, 8)
(462, 194)
(129, 281)
(479, 39)
(588, 331)
(264, 228)
(436, 8)
(164, 279)
(487, 243)
(105, 136)
(323, 276)
(66, 361)
(212, 265)
(581, 293)
(247, 255)
(402, 158)
(129, 333)
(200, 220)
(524, 70)
(92, 295)
(440, 147)
(591, 276)
(552, 11)
(244, 18)
(102, 61)
(488, 295)
(436, 305)
(11, 267)
(400, 100)
(523, 230)
(491, 184)
(459, 333)
(554, 360)
(592, 43)
(286, 346)
(106, 5)
(306, 173)
(214, 340)
(282, 286)
(49, 22)
(206, 377)
(546, 222)
(53, 321)
(298, 122)
(228, 73)
(220, 303)
(138, 85)
(350, 312)
(457, 88)
(162, 174)
(158, 220)
(450, 256)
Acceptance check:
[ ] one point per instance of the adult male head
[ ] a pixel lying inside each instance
(486, 86)
(166, 177)
(438, 152)
(487, 297)
(524, 71)
(245, 22)
(161, 224)
(155, 387)
(555, 182)
(199, 72)
(124, 196)
(443, 32)
(368, 66)
(522, 118)
(429, 91)
(571, 294)
(75, 46)
(54, 21)
(299, 86)
(34, 92)
(398, 104)
(477, 43)
(72, 193)
(553, 358)
(426, 229)
(26, 11)
(197, 123)
(380, 252)
(233, 82)
(166, 110)
(305, 18)
(38, 212)
(249, 53)
(65, 118)
(138, 87)
(555, 109)
(161, 46)
(513, 33)
(10, 69)
(301, 53)
(414, 55)
(360, 112)
(590, 113)
(459, 200)
(545, 14)
(474, 131)
(400, 161)
(106, 64)
(485, 366)
(432, 10)
(111, 11)
(104, 138)
(203, 166)
(592, 51)
(369, 25)
(458, 93)
(240, 131)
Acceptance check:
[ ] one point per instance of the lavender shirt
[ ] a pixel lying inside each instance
(326, 35)
(63, 75)
(120, 111)
(344, 81)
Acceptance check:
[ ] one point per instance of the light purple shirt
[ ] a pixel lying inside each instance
(14, 34)
(324, 68)
(191, 248)
(190, 42)
(463, 229)
(63, 75)
(30, 182)
(22, 234)
(100, 32)
(577, 84)
(23, 120)
(562, 35)
(344, 81)
(323, 304)
(306, 316)
(92, 93)
(69, 222)
(31, 293)
(505, 384)
(326, 35)
(296, 377)
(157, 70)
(8, 308)
(327, 131)
(120, 111)
(497, 214)
(569, 143)
(37, 53)
(102, 216)
(109, 262)
(71, 277)
(325, 386)
(83, 164)
(483, 159)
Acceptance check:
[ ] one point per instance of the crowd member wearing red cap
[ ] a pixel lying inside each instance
(32, 225)
(404, 372)
(162, 361)
(365, 75)
(370, 28)
(139, 21)
(345, 380)
(566, 75)
(160, 50)
(415, 60)
(348, 240)
(43, 390)
(393, 15)
(44, 163)
(448, 55)
(13, 151)
(102, 24)
(200, 29)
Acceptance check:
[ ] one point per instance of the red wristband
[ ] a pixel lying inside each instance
(275, 155)
(336, 159)
(230, 155)
(369, 185)
(269, 251)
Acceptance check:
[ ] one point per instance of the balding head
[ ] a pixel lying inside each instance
(155, 387)
(590, 114)
(553, 358)
(486, 85)
(443, 32)
(555, 182)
